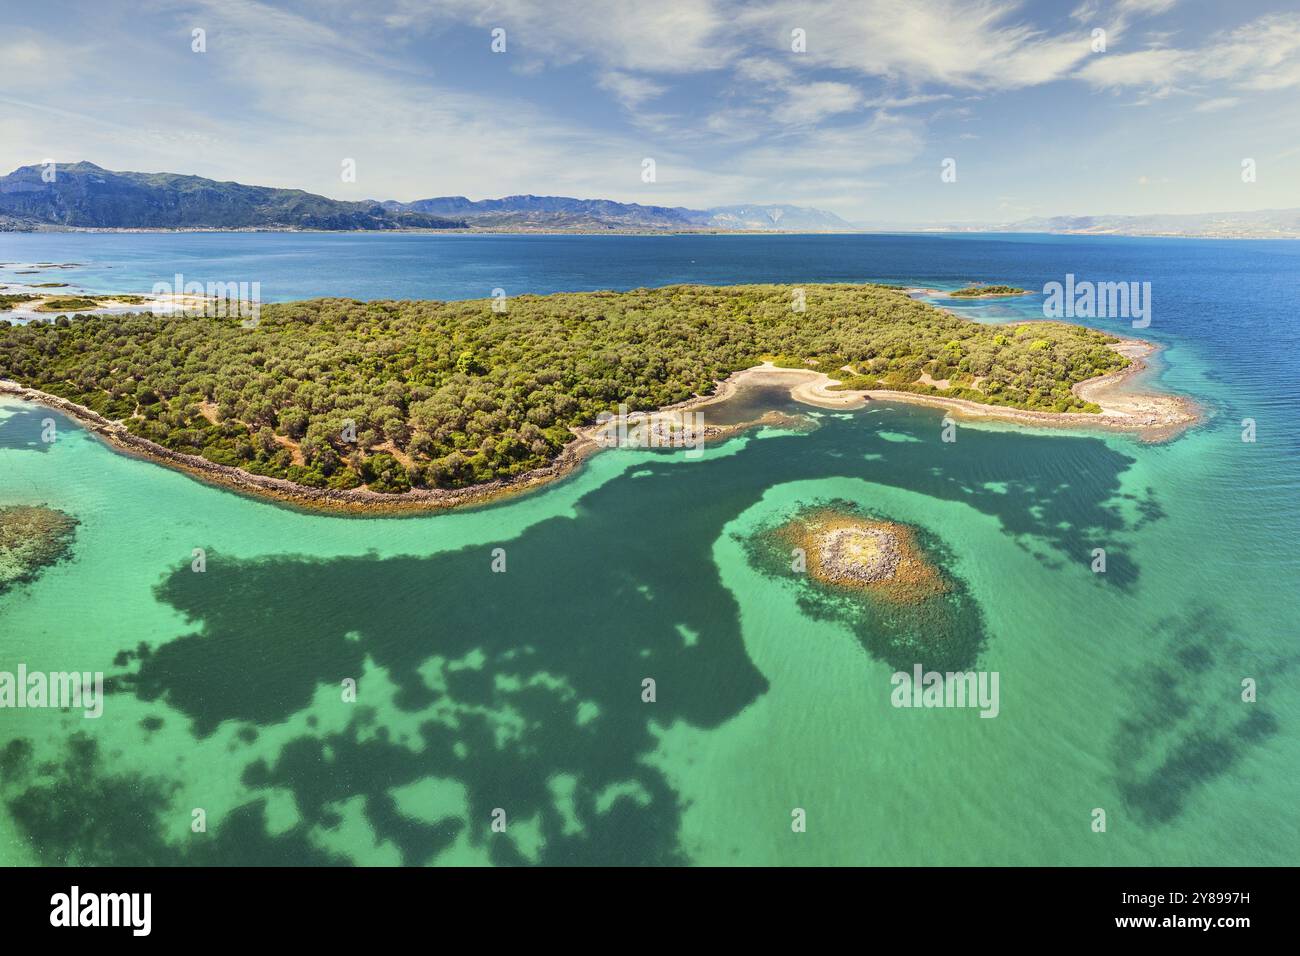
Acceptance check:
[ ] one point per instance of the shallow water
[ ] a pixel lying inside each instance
(522, 691)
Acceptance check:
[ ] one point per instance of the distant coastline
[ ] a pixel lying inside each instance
(44, 228)
(81, 196)
(38, 228)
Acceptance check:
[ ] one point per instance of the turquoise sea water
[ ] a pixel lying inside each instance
(521, 692)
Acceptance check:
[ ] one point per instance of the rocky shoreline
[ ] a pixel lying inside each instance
(347, 501)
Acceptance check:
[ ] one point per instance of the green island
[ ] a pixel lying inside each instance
(394, 395)
(983, 291)
(71, 304)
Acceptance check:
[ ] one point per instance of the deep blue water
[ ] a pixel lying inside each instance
(1232, 303)
(403, 266)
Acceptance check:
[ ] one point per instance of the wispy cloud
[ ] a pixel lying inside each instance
(1261, 55)
(629, 90)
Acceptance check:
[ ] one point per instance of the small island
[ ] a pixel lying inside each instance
(32, 537)
(860, 553)
(978, 291)
(77, 303)
(63, 304)
(889, 583)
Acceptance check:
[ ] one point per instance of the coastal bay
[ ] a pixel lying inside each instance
(222, 688)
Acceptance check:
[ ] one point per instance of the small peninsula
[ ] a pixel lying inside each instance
(341, 403)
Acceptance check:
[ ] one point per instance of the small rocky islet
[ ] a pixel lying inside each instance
(888, 582)
(852, 551)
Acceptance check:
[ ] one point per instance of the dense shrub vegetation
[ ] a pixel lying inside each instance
(334, 392)
(976, 291)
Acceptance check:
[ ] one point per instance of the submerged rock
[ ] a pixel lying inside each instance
(32, 538)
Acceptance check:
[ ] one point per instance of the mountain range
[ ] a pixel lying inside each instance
(85, 196)
(592, 215)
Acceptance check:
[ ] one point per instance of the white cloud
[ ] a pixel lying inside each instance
(630, 90)
(22, 54)
(811, 103)
(831, 168)
(1149, 68)
(637, 35)
(1145, 7)
(1263, 55)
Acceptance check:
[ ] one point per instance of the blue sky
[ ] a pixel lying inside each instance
(859, 123)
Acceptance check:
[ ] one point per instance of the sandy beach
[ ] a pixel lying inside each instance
(1151, 416)
(806, 385)
(166, 303)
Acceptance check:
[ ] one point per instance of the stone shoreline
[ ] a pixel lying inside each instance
(348, 501)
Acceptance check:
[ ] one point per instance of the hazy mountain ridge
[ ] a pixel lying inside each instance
(86, 196)
(1256, 224)
(1264, 223)
(566, 212)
